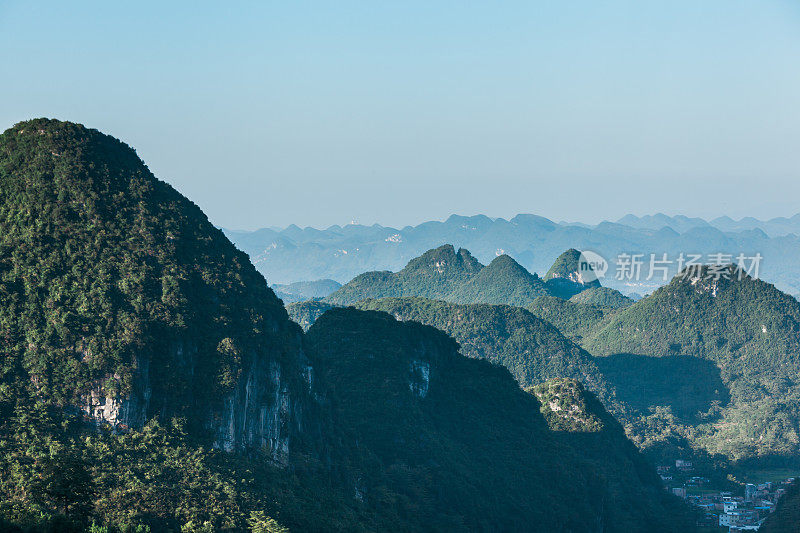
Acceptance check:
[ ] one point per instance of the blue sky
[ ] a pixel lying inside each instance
(315, 113)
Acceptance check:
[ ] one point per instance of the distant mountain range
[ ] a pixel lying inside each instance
(291, 254)
(774, 227)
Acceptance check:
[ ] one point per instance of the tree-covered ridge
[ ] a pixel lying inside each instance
(403, 392)
(660, 401)
(602, 297)
(532, 349)
(574, 319)
(434, 274)
(748, 329)
(579, 419)
(105, 269)
(503, 281)
(444, 274)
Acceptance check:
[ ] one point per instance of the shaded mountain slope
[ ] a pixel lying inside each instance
(786, 518)
(402, 391)
(306, 313)
(579, 419)
(532, 349)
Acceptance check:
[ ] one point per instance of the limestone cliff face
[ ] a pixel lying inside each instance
(263, 411)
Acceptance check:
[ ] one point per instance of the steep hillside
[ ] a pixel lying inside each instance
(578, 418)
(748, 329)
(503, 281)
(786, 518)
(306, 313)
(402, 391)
(532, 349)
(122, 299)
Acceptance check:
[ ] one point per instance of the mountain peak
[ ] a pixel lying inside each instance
(505, 262)
(445, 259)
(569, 266)
(158, 313)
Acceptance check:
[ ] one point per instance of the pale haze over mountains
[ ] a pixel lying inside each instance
(292, 254)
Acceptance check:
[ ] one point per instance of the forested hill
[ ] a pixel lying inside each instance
(602, 297)
(532, 349)
(151, 379)
(567, 277)
(116, 286)
(745, 327)
(434, 274)
(456, 276)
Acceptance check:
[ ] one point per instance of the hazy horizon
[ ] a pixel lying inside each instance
(320, 113)
(556, 220)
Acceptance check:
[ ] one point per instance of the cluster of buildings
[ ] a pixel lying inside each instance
(722, 508)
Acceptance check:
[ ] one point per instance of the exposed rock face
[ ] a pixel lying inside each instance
(570, 275)
(262, 412)
(420, 377)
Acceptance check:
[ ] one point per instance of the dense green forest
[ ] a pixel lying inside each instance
(307, 312)
(532, 349)
(151, 381)
(748, 330)
(106, 271)
(574, 319)
(602, 297)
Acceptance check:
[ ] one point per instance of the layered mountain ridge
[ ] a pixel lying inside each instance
(446, 274)
(343, 252)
